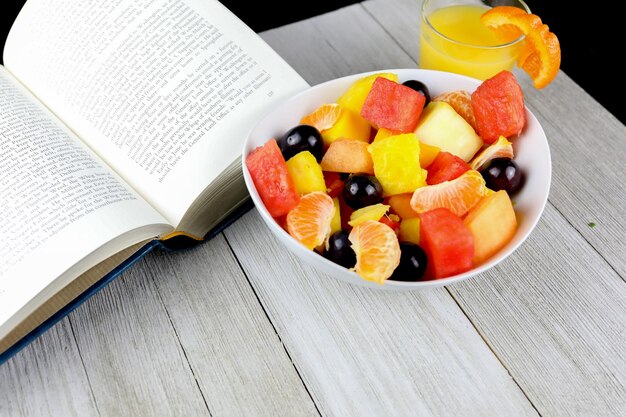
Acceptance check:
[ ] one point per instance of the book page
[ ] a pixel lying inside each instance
(165, 91)
(60, 204)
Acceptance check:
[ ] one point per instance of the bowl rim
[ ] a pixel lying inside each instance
(313, 257)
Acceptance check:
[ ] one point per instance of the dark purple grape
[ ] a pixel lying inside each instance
(301, 138)
(362, 190)
(420, 87)
(339, 250)
(503, 174)
(413, 262)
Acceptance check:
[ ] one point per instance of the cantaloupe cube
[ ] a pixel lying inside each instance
(306, 173)
(410, 230)
(348, 155)
(350, 125)
(492, 222)
(401, 205)
(441, 126)
(428, 153)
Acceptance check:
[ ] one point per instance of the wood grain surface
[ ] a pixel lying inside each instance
(238, 326)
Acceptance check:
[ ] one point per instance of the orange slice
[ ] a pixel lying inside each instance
(458, 195)
(324, 117)
(541, 54)
(501, 148)
(309, 221)
(377, 250)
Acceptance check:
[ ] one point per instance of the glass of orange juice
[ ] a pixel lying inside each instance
(452, 38)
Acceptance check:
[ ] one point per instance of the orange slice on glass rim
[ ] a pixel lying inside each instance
(324, 117)
(309, 221)
(458, 195)
(541, 52)
(377, 250)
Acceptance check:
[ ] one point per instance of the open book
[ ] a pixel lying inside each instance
(121, 123)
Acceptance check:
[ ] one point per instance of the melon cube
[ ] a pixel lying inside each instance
(443, 127)
(393, 106)
(272, 179)
(401, 205)
(428, 153)
(492, 222)
(445, 167)
(397, 164)
(355, 96)
(348, 155)
(306, 173)
(498, 105)
(447, 241)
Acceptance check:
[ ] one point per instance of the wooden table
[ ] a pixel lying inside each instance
(238, 327)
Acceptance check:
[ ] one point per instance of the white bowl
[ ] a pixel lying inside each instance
(531, 153)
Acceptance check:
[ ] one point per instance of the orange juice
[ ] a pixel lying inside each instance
(454, 39)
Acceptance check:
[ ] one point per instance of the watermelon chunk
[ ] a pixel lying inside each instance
(498, 105)
(393, 106)
(445, 167)
(271, 178)
(447, 241)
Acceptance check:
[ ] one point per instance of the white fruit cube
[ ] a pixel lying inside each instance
(441, 126)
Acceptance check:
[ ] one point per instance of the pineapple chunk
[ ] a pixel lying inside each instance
(335, 223)
(373, 212)
(397, 164)
(349, 125)
(410, 230)
(306, 173)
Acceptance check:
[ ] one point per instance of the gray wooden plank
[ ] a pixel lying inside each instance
(237, 358)
(588, 144)
(365, 352)
(47, 378)
(311, 46)
(554, 313)
(131, 353)
(557, 322)
(400, 22)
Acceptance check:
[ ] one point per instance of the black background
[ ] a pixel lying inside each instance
(590, 42)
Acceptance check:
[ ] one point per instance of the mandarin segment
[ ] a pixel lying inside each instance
(541, 53)
(458, 195)
(324, 117)
(310, 221)
(501, 148)
(377, 250)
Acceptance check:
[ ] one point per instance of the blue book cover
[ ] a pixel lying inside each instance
(171, 245)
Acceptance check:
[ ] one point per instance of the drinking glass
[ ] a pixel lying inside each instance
(453, 39)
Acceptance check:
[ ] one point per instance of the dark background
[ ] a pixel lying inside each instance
(590, 42)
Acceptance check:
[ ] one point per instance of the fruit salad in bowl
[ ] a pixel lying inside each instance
(401, 179)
